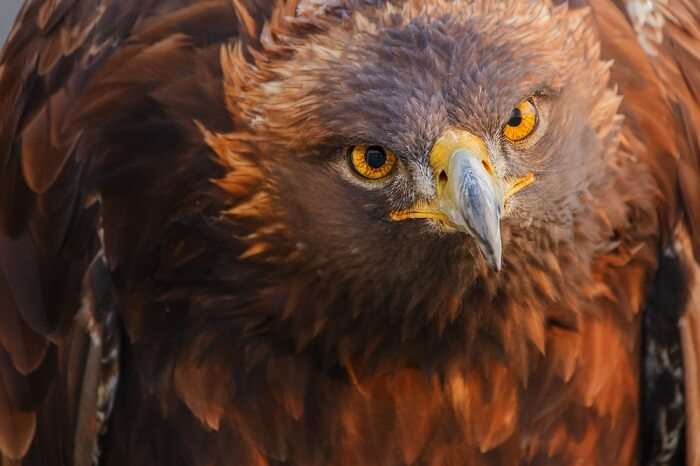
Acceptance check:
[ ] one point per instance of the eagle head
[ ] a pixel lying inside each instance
(415, 156)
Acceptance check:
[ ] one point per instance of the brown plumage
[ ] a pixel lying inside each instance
(192, 273)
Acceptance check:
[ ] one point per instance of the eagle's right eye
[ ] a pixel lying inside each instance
(373, 162)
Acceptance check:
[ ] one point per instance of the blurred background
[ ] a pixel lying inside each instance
(8, 11)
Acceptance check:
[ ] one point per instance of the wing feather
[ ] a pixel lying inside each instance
(669, 33)
(679, 68)
(99, 96)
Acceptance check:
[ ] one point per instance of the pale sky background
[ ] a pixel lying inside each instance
(8, 10)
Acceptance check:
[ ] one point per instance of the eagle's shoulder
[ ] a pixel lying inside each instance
(98, 97)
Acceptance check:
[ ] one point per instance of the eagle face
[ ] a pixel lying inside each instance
(403, 144)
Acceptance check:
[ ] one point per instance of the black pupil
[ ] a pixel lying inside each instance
(375, 157)
(516, 117)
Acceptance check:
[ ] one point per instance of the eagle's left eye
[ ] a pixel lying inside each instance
(373, 162)
(522, 122)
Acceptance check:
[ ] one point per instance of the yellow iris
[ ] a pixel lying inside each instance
(522, 122)
(373, 162)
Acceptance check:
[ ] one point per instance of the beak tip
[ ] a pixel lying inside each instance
(493, 256)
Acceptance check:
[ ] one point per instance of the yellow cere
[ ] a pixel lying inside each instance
(522, 122)
(371, 161)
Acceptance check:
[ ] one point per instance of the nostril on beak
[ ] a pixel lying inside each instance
(442, 181)
(487, 167)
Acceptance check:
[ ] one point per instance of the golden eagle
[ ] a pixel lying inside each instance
(350, 232)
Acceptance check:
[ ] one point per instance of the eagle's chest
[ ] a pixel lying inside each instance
(578, 405)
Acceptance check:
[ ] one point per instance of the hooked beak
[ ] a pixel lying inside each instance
(473, 204)
(470, 196)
